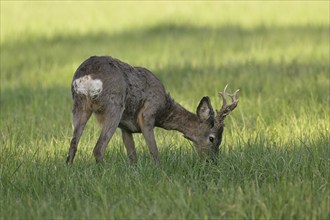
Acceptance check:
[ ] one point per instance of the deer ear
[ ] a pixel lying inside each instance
(205, 111)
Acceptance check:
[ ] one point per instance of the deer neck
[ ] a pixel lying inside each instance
(176, 117)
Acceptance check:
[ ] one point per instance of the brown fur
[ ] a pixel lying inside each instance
(135, 100)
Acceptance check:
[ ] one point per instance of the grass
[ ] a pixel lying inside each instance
(274, 160)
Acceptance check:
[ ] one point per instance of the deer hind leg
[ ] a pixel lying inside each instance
(80, 118)
(130, 146)
(111, 117)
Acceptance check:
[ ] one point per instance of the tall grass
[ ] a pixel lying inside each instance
(274, 160)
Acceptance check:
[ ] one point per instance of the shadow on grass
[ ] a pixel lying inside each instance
(185, 41)
(183, 45)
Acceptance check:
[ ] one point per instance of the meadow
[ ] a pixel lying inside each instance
(274, 161)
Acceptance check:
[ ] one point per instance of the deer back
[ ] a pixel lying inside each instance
(103, 81)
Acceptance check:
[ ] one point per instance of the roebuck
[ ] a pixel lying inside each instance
(135, 100)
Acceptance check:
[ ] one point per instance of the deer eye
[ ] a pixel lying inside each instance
(211, 139)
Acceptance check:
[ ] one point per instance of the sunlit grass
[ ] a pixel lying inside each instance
(274, 160)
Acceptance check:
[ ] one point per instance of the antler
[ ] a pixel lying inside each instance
(226, 109)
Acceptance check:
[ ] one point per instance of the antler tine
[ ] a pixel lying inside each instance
(223, 96)
(234, 96)
(226, 109)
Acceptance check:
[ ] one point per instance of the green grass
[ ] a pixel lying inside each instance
(275, 158)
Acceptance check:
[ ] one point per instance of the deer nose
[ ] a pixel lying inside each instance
(216, 150)
(213, 154)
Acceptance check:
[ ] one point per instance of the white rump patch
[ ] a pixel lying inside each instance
(87, 86)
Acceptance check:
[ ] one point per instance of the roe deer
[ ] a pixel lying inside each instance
(135, 100)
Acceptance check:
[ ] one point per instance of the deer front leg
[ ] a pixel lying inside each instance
(149, 136)
(146, 123)
(130, 146)
(111, 121)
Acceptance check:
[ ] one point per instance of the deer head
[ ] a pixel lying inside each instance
(208, 136)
